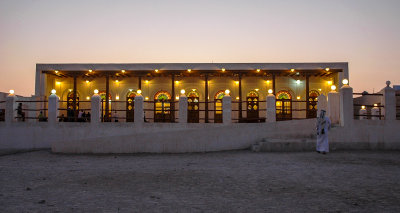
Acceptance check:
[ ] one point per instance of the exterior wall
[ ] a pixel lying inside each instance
(178, 138)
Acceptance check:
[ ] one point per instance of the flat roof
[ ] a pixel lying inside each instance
(185, 66)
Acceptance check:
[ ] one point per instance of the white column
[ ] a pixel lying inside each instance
(10, 110)
(95, 111)
(333, 109)
(271, 108)
(346, 106)
(227, 109)
(53, 108)
(363, 114)
(321, 104)
(183, 109)
(139, 110)
(389, 102)
(375, 113)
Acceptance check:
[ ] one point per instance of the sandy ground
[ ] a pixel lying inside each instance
(237, 181)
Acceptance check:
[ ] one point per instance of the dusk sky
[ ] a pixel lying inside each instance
(364, 33)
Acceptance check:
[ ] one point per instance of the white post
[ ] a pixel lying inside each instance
(227, 109)
(375, 113)
(346, 106)
(53, 108)
(183, 109)
(363, 114)
(389, 102)
(333, 110)
(95, 111)
(321, 104)
(10, 109)
(139, 110)
(271, 108)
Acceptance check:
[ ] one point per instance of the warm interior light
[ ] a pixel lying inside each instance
(320, 90)
(223, 69)
(237, 82)
(227, 92)
(146, 81)
(297, 81)
(298, 97)
(53, 91)
(58, 83)
(193, 90)
(327, 69)
(176, 82)
(333, 87)
(297, 73)
(117, 97)
(96, 91)
(139, 91)
(56, 71)
(87, 81)
(70, 90)
(345, 81)
(268, 81)
(183, 91)
(362, 107)
(116, 81)
(270, 91)
(256, 89)
(258, 70)
(87, 97)
(291, 70)
(123, 71)
(155, 70)
(237, 98)
(329, 82)
(146, 98)
(130, 90)
(375, 105)
(177, 97)
(189, 70)
(90, 70)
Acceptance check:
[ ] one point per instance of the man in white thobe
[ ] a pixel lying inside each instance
(323, 126)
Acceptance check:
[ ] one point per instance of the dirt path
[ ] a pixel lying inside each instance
(237, 181)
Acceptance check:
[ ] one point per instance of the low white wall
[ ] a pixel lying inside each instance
(178, 138)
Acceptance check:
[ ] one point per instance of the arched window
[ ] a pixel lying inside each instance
(283, 105)
(218, 106)
(193, 107)
(162, 107)
(162, 96)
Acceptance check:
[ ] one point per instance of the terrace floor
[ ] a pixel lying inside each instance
(234, 181)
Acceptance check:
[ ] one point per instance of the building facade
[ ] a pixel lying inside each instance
(295, 85)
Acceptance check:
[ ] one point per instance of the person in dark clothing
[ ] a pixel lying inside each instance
(20, 113)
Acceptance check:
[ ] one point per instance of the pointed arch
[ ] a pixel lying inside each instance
(162, 95)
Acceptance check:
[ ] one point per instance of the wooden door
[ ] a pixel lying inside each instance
(252, 109)
(193, 109)
(130, 109)
(218, 111)
(283, 109)
(312, 106)
(162, 111)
